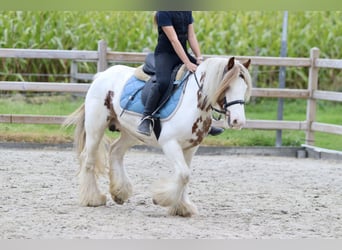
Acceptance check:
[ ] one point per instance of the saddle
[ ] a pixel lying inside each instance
(147, 71)
(138, 86)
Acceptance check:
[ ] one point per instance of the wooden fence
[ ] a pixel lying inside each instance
(103, 57)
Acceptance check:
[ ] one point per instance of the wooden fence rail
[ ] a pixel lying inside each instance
(102, 57)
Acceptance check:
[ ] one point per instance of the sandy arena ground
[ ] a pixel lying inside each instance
(237, 197)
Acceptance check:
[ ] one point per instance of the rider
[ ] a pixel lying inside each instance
(175, 29)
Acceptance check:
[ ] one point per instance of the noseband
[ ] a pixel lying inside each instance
(228, 104)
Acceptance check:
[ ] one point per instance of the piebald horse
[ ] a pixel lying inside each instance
(219, 83)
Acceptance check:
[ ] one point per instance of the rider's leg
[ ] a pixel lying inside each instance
(151, 105)
(164, 65)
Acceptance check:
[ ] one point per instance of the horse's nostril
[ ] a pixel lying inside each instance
(235, 121)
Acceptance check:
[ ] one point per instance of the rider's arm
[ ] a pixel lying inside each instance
(172, 36)
(192, 38)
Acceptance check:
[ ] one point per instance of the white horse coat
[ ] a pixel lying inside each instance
(217, 83)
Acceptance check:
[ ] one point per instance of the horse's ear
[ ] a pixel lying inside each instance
(246, 64)
(231, 63)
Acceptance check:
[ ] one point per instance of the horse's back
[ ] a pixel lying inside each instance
(119, 68)
(115, 73)
(112, 79)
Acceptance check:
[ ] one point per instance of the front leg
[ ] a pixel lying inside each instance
(173, 192)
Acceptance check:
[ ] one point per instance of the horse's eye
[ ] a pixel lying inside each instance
(242, 76)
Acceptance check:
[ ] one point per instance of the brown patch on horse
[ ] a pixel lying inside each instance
(202, 101)
(206, 125)
(113, 123)
(202, 77)
(203, 105)
(109, 100)
(199, 99)
(195, 125)
(200, 130)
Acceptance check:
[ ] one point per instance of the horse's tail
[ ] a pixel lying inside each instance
(77, 118)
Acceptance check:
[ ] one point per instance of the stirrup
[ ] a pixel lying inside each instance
(146, 129)
(148, 117)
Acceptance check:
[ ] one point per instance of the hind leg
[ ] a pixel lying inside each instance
(120, 184)
(173, 192)
(95, 124)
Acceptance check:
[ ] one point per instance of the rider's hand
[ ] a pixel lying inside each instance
(191, 66)
(199, 60)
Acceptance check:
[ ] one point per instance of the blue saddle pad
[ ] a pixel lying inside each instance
(130, 99)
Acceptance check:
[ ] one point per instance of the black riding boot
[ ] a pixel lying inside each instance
(215, 131)
(150, 106)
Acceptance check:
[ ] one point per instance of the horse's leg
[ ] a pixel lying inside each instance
(188, 154)
(95, 124)
(120, 184)
(173, 192)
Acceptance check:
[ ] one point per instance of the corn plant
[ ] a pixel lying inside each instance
(219, 32)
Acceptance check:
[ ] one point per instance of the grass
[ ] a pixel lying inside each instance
(42, 105)
(294, 110)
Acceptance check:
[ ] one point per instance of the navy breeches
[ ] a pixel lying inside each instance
(165, 63)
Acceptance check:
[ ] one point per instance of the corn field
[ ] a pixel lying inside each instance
(244, 33)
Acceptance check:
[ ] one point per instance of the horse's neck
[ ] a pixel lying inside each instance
(209, 76)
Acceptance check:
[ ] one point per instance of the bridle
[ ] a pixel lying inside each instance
(226, 104)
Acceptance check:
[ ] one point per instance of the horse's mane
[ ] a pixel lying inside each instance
(216, 73)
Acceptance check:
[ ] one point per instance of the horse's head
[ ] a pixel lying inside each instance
(233, 91)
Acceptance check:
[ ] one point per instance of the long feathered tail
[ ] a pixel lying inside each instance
(77, 118)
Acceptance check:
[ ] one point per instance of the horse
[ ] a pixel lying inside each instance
(219, 83)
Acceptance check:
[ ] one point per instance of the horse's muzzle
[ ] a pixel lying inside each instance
(236, 123)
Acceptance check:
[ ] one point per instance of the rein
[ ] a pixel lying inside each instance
(199, 86)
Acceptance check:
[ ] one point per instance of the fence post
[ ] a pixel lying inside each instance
(311, 102)
(282, 79)
(73, 71)
(102, 63)
(255, 73)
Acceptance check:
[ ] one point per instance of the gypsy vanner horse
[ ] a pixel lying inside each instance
(219, 83)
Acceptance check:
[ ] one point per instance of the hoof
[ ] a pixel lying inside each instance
(112, 127)
(100, 201)
(118, 200)
(120, 194)
(183, 210)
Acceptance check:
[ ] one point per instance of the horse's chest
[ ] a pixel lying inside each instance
(200, 129)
